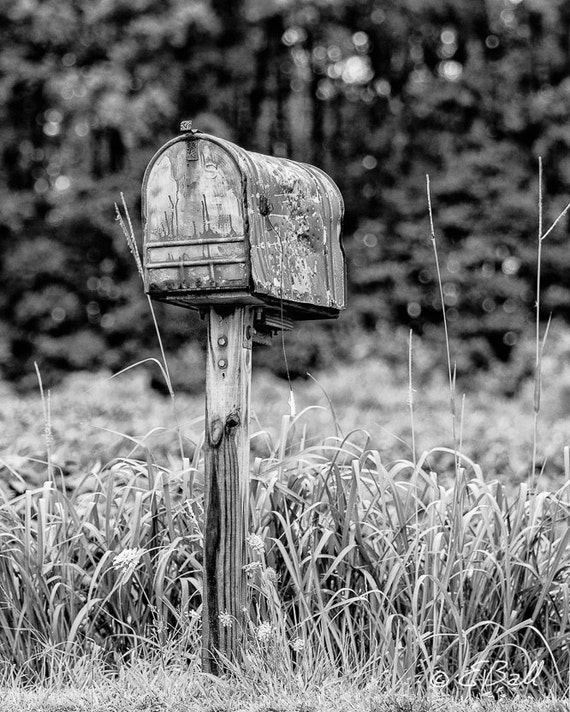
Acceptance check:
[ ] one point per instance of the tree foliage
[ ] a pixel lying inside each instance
(379, 93)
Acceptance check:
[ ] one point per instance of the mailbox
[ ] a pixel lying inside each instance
(225, 226)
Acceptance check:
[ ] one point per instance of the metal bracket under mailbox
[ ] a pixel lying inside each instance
(267, 323)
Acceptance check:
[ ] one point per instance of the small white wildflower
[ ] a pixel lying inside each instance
(271, 574)
(126, 561)
(255, 542)
(160, 626)
(264, 632)
(298, 644)
(225, 619)
(194, 615)
(251, 568)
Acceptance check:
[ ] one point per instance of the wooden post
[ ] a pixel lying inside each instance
(226, 452)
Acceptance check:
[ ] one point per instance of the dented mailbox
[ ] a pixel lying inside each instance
(225, 226)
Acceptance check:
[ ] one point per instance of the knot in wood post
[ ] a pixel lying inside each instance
(216, 432)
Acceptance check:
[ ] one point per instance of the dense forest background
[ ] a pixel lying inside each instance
(376, 92)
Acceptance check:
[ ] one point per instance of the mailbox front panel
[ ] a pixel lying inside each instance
(194, 221)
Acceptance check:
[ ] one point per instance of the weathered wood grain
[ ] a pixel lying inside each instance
(228, 380)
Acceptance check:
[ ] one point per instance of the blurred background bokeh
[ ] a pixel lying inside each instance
(378, 93)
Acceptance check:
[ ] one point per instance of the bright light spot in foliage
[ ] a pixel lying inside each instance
(378, 16)
(356, 70)
(492, 42)
(62, 183)
(450, 70)
(334, 53)
(326, 90)
(449, 43)
(53, 119)
(58, 314)
(511, 265)
(69, 59)
(52, 129)
(382, 87)
(319, 53)
(508, 18)
(360, 41)
(81, 128)
(293, 36)
(369, 162)
(301, 57)
(414, 310)
(334, 71)
(53, 116)
(93, 309)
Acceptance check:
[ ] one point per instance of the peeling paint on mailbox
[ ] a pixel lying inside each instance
(227, 226)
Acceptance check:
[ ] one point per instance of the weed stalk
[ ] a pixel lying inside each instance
(411, 395)
(48, 435)
(129, 234)
(540, 343)
(451, 371)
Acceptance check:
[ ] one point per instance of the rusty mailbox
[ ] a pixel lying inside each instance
(225, 226)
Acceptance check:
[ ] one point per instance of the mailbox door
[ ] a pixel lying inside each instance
(193, 212)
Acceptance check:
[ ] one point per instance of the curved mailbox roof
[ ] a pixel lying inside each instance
(225, 225)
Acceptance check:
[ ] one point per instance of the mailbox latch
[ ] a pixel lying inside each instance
(191, 146)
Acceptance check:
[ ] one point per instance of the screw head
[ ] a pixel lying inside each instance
(223, 363)
(223, 341)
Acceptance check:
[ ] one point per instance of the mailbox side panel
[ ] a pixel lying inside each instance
(295, 218)
(194, 224)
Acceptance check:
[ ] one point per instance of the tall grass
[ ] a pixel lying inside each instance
(357, 568)
(110, 572)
